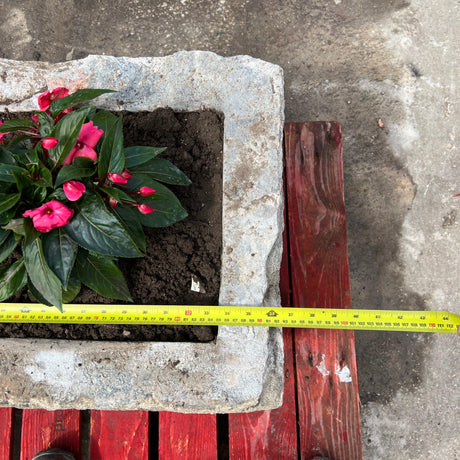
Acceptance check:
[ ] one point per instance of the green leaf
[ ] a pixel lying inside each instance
(30, 232)
(42, 277)
(46, 124)
(58, 194)
(111, 155)
(36, 294)
(8, 201)
(95, 228)
(39, 194)
(6, 157)
(117, 194)
(103, 276)
(164, 171)
(16, 225)
(73, 287)
(60, 252)
(12, 279)
(16, 125)
(6, 216)
(66, 132)
(168, 209)
(22, 180)
(130, 218)
(3, 235)
(135, 156)
(104, 120)
(6, 172)
(46, 179)
(26, 156)
(82, 95)
(69, 294)
(8, 246)
(74, 172)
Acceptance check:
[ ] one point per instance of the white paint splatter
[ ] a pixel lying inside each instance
(343, 373)
(322, 366)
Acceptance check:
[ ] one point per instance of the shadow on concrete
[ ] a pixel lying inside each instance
(379, 193)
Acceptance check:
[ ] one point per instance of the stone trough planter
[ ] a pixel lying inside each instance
(242, 370)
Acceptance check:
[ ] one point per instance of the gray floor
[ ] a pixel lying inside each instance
(358, 63)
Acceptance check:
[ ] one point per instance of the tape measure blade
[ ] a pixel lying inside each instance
(322, 318)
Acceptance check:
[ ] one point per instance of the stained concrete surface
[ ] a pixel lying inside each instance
(357, 62)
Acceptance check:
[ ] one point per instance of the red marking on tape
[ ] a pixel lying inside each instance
(259, 320)
(177, 318)
(432, 324)
(16, 316)
(188, 312)
(96, 318)
(345, 323)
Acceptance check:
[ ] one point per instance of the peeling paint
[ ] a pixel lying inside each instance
(343, 373)
(322, 366)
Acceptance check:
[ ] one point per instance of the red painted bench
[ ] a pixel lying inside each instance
(320, 413)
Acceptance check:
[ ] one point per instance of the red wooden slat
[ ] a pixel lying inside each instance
(42, 429)
(6, 432)
(187, 436)
(119, 435)
(327, 382)
(270, 434)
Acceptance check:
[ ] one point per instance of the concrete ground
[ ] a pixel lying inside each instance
(357, 62)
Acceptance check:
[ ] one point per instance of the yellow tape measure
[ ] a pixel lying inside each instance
(320, 318)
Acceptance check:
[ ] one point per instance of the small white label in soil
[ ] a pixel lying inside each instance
(197, 285)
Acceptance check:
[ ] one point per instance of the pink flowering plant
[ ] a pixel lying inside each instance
(73, 199)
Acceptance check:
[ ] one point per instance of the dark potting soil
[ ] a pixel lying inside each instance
(175, 254)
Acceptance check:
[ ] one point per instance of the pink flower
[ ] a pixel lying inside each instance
(145, 191)
(113, 202)
(117, 178)
(50, 215)
(2, 134)
(49, 142)
(35, 118)
(144, 208)
(87, 139)
(45, 99)
(74, 190)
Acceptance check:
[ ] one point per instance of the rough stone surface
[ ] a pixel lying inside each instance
(243, 369)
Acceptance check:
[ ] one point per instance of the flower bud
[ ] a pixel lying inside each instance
(145, 191)
(49, 142)
(117, 178)
(144, 208)
(113, 202)
(126, 174)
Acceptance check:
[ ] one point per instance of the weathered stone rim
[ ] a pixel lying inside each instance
(243, 369)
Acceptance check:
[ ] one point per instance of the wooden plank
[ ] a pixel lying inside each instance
(42, 429)
(270, 434)
(187, 436)
(327, 381)
(6, 432)
(119, 434)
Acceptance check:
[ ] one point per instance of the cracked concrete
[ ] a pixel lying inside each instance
(358, 63)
